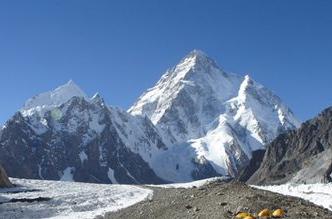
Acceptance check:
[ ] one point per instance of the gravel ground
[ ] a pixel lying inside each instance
(218, 200)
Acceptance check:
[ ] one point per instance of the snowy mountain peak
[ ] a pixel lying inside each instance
(52, 98)
(70, 88)
(247, 85)
(195, 73)
(196, 78)
(221, 116)
(249, 82)
(197, 53)
(247, 78)
(196, 60)
(97, 98)
(71, 83)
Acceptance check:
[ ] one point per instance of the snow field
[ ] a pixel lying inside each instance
(319, 194)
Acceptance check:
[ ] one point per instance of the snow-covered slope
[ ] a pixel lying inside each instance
(47, 100)
(193, 184)
(67, 199)
(210, 116)
(319, 194)
(187, 97)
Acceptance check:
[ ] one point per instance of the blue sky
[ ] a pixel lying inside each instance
(121, 48)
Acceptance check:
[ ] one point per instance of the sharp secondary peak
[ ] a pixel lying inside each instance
(247, 82)
(55, 97)
(70, 83)
(69, 87)
(97, 98)
(247, 77)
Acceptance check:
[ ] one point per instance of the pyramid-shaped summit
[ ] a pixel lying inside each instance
(195, 73)
(196, 59)
(214, 113)
(197, 53)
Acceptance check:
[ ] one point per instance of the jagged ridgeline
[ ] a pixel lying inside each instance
(299, 156)
(198, 121)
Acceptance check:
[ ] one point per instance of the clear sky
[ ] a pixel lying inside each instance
(121, 48)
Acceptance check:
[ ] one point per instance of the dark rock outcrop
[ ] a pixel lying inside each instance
(252, 167)
(4, 181)
(303, 155)
(79, 140)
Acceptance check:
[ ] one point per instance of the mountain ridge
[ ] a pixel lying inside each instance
(198, 121)
(299, 156)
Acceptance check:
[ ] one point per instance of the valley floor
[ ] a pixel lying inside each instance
(211, 198)
(217, 200)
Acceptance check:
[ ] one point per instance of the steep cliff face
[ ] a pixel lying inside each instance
(303, 155)
(252, 167)
(4, 181)
(80, 139)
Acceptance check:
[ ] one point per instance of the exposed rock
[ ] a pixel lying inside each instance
(254, 164)
(80, 140)
(188, 207)
(303, 155)
(4, 181)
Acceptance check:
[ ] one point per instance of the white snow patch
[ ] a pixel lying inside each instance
(128, 174)
(68, 199)
(319, 194)
(68, 174)
(175, 164)
(102, 159)
(83, 156)
(48, 100)
(110, 175)
(95, 125)
(189, 185)
(40, 172)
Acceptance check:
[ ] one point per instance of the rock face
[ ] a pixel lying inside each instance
(303, 155)
(252, 167)
(197, 122)
(81, 139)
(4, 181)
